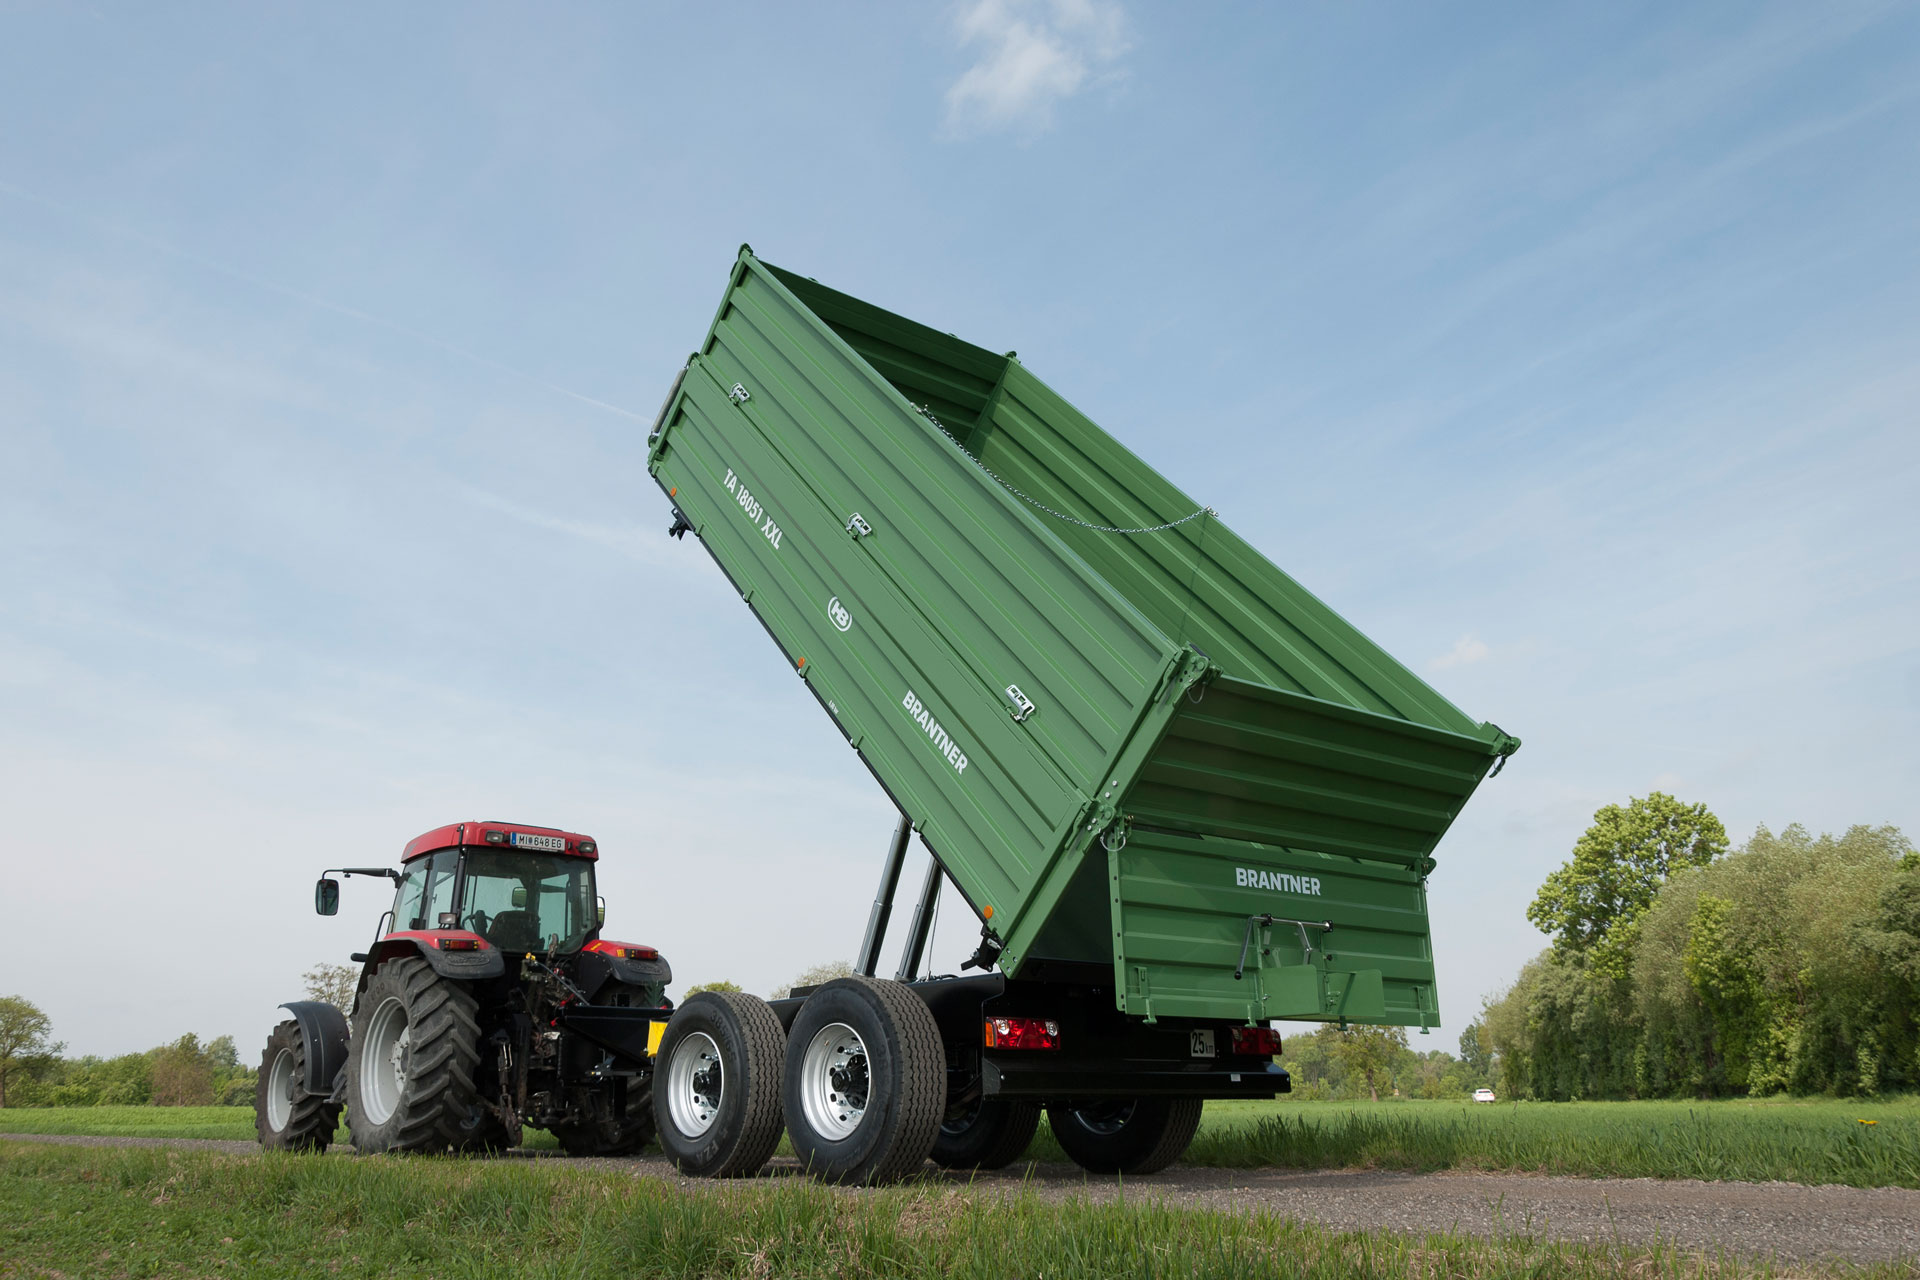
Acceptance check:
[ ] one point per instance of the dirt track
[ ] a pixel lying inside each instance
(1778, 1219)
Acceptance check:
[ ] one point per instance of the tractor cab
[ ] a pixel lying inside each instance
(519, 888)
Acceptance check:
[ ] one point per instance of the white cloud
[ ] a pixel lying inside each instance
(1033, 54)
(1468, 649)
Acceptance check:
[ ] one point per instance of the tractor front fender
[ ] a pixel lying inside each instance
(323, 1029)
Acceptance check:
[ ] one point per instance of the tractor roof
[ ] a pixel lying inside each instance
(519, 836)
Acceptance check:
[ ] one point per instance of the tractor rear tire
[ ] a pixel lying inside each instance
(988, 1133)
(866, 1082)
(285, 1115)
(716, 1085)
(1125, 1135)
(410, 1072)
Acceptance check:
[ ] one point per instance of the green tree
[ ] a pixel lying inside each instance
(26, 1045)
(334, 983)
(1592, 902)
(182, 1074)
(817, 975)
(1368, 1053)
(713, 986)
(1476, 1055)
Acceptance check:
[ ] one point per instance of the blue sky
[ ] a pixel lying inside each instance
(1569, 353)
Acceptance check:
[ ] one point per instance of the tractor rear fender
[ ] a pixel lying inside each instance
(324, 1030)
(635, 965)
(486, 961)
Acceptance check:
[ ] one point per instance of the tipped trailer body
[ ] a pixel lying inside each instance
(1183, 797)
(1122, 731)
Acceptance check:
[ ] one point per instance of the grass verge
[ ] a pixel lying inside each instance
(1811, 1141)
(146, 1212)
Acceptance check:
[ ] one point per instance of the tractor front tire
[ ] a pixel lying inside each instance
(987, 1133)
(1125, 1135)
(866, 1082)
(410, 1073)
(285, 1115)
(716, 1085)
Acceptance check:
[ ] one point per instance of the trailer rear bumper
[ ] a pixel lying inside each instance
(1054, 1081)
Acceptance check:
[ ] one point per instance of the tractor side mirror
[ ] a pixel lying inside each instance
(326, 897)
(519, 898)
(600, 907)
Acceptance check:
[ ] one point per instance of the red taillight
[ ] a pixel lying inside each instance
(459, 944)
(1022, 1033)
(1259, 1042)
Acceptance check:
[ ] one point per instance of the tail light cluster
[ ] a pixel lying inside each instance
(1259, 1042)
(621, 951)
(460, 944)
(1022, 1033)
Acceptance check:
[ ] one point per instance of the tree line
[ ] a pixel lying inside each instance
(185, 1073)
(1681, 968)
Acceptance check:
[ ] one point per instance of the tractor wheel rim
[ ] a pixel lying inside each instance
(835, 1085)
(696, 1084)
(384, 1066)
(280, 1092)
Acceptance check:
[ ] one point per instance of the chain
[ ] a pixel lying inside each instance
(1037, 505)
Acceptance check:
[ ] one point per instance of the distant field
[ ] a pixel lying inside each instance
(144, 1211)
(1816, 1141)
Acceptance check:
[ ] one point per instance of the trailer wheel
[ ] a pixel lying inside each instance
(1125, 1135)
(987, 1133)
(410, 1071)
(285, 1115)
(866, 1082)
(716, 1085)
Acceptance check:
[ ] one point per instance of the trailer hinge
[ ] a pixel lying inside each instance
(680, 525)
(857, 526)
(1022, 704)
(739, 394)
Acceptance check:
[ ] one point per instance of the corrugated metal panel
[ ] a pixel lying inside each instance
(1182, 907)
(1248, 762)
(1201, 583)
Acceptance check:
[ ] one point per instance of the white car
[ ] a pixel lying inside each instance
(1483, 1095)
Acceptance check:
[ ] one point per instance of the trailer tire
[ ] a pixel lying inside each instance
(1125, 1135)
(410, 1072)
(285, 1115)
(989, 1133)
(866, 1082)
(716, 1085)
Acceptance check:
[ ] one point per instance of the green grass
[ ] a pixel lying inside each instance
(1815, 1141)
(139, 1212)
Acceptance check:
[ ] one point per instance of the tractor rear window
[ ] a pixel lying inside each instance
(526, 902)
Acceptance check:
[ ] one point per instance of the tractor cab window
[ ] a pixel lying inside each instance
(528, 902)
(426, 889)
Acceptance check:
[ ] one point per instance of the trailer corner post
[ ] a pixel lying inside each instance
(869, 960)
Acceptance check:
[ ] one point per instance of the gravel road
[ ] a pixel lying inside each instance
(1782, 1220)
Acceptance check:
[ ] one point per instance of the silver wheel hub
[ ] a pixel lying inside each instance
(834, 1082)
(383, 1075)
(696, 1084)
(280, 1087)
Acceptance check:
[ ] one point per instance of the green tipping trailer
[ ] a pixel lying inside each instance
(1152, 762)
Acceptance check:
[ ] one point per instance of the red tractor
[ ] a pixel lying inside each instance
(488, 1001)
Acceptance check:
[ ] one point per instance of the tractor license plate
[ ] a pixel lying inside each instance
(546, 844)
(1200, 1044)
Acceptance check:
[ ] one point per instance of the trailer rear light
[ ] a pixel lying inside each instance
(1022, 1033)
(1259, 1042)
(459, 944)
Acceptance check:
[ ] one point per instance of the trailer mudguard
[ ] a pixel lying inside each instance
(324, 1030)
